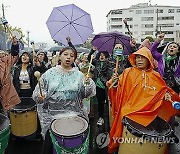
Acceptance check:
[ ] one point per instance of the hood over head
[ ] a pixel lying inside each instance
(144, 51)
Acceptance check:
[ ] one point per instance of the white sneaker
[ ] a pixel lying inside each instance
(100, 122)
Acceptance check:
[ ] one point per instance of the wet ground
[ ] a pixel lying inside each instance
(35, 147)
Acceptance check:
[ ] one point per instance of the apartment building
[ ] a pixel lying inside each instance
(146, 20)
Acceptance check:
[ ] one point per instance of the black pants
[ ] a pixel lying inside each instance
(48, 145)
(101, 97)
(25, 93)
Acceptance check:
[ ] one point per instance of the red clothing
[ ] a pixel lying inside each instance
(8, 94)
(140, 97)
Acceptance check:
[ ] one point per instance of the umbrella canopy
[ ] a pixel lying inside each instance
(72, 21)
(106, 41)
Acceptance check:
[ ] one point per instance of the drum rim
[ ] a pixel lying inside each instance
(127, 125)
(34, 105)
(23, 110)
(68, 137)
(7, 124)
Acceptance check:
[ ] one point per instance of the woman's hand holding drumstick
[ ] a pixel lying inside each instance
(86, 81)
(38, 75)
(115, 75)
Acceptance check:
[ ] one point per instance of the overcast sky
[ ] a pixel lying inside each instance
(32, 15)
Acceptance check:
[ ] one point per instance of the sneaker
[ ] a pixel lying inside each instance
(100, 122)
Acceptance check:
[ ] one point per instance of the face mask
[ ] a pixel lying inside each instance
(118, 52)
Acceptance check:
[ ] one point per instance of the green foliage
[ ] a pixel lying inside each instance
(150, 39)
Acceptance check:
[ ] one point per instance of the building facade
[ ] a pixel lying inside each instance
(147, 20)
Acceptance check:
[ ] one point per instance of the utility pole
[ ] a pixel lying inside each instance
(5, 31)
(28, 39)
(157, 22)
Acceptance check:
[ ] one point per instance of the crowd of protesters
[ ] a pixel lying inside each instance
(66, 83)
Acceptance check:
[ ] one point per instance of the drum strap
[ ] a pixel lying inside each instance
(82, 149)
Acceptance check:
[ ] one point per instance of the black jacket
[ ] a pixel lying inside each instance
(33, 80)
(104, 72)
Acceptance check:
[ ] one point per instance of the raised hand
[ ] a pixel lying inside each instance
(160, 37)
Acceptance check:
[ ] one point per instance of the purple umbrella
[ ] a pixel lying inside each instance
(72, 21)
(106, 41)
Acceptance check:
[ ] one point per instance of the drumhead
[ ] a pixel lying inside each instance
(4, 122)
(26, 104)
(69, 126)
(157, 128)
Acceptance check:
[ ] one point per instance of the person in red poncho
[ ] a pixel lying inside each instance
(139, 95)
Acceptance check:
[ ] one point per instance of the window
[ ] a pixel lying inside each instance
(169, 39)
(146, 18)
(136, 25)
(129, 19)
(177, 24)
(147, 25)
(166, 18)
(159, 11)
(116, 19)
(116, 12)
(148, 11)
(167, 32)
(147, 33)
(171, 11)
(165, 25)
(130, 26)
(116, 26)
(138, 11)
(178, 10)
(131, 10)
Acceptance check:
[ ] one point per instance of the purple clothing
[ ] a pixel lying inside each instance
(161, 62)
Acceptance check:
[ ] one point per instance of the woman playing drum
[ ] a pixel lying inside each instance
(140, 95)
(63, 89)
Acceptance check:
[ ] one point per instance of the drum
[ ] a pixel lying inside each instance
(4, 132)
(23, 118)
(137, 139)
(71, 135)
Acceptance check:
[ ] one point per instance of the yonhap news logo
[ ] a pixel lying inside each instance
(103, 140)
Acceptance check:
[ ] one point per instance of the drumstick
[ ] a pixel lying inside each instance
(38, 75)
(127, 26)
(90, 63)
(118, 53)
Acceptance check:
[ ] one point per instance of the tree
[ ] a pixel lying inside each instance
(150, 39)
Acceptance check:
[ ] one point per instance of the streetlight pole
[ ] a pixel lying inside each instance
(28, 39)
